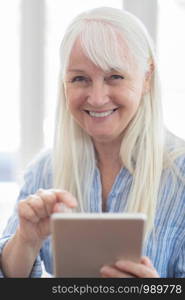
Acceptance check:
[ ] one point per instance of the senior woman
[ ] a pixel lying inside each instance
(111, 151)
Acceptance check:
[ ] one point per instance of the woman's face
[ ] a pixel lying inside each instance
(102, 103)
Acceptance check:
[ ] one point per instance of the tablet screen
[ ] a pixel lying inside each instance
(83, 242)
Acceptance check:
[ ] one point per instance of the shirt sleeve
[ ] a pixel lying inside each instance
(180, 263)
(35, 177)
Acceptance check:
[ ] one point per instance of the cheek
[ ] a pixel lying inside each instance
(135, 91)
(131, 97)
(73, 100)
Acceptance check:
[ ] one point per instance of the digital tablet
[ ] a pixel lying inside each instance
(83, 242)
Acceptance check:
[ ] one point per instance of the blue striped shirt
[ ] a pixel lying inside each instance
(165, 246)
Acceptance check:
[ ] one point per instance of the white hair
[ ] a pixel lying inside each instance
(143, 150)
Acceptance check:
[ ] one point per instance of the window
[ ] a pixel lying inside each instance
(9, 90)
(171, 49)
(9, 103)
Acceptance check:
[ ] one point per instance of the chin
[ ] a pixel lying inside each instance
(103, 138)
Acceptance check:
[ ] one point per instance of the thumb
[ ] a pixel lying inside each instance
(61, 207)
(146, 261)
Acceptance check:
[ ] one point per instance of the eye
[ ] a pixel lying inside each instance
(79, 79)
(116, 76)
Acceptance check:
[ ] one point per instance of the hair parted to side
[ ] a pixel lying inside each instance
(143, 150)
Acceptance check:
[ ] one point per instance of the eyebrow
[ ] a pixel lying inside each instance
(76, 70)
(83, 71)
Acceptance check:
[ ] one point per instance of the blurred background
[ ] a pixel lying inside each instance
(30, 35)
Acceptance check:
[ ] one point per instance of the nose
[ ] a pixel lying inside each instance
(98, 94)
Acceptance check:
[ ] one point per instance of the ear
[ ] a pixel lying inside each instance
(148, 77)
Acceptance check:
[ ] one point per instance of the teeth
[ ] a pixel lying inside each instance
(102, 114)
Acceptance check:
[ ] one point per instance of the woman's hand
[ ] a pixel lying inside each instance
(35, 211)
(21, 250)
(129, 269)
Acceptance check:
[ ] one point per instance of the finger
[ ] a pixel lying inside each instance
(53, 196)
(112, 272)
(38, 205)
(65, 197)
(25, 211)
(137, 269)
(49, 199)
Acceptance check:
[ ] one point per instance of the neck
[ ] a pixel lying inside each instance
(108, 154)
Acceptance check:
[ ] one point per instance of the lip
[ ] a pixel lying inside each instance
(101, 111)
(102, 118)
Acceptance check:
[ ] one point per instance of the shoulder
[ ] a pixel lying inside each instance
(173, 142)
(173, 176)
(38, 173)
(171, 204)
(174, 153)
(43, 160)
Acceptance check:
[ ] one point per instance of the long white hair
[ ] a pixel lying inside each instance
(143, 150)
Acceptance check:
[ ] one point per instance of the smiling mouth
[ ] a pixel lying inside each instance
(101, 114)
